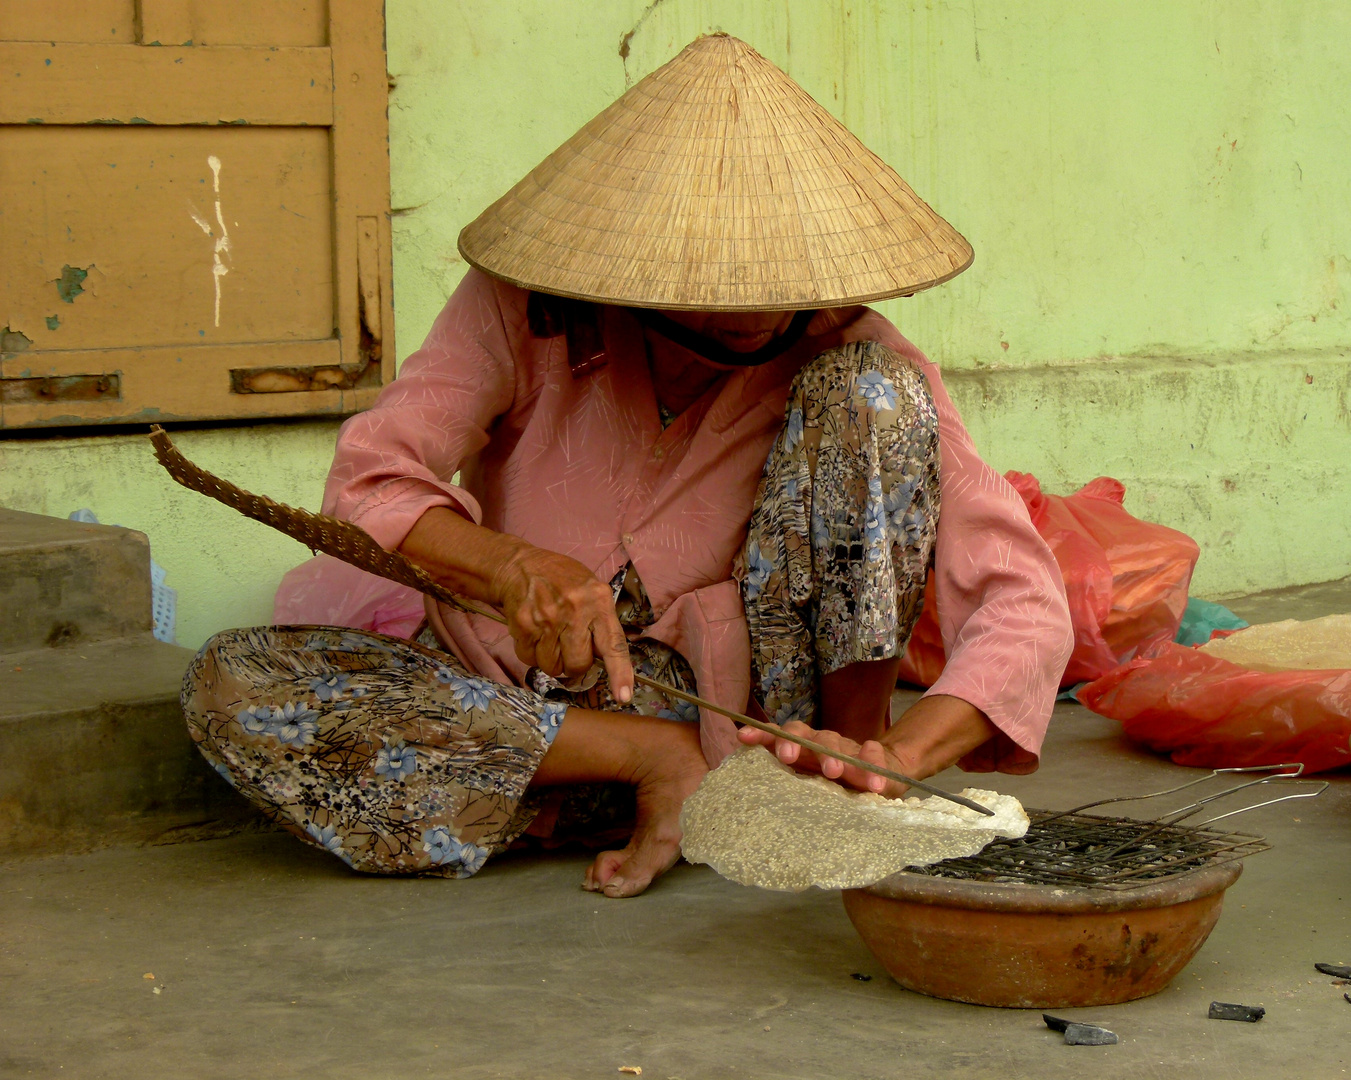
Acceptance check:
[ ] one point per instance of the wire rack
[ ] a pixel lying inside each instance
(1087, 851)
(1071, 849)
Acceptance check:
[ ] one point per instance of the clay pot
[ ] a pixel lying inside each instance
(1035, 946)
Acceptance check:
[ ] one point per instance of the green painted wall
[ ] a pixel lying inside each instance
(1157, 192)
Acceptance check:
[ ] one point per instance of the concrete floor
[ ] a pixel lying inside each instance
(273, 960)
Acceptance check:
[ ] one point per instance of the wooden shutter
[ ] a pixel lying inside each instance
(193, 210)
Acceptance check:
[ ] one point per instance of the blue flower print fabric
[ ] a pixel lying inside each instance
(841, 538)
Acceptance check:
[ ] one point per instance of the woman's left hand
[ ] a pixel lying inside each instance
(931, 735)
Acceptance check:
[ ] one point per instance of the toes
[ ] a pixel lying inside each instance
(642, 865)
(630, 879)
(602, 869)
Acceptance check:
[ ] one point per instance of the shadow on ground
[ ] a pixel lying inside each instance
(273, 960)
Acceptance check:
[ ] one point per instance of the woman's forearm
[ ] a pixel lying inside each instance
(464, 557)
(937, 731)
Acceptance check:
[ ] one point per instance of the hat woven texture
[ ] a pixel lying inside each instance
(716, 183)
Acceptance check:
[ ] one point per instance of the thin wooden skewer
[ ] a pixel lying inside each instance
(354, 545)
(815, 747)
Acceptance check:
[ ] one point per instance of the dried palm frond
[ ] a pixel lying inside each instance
(318, 532)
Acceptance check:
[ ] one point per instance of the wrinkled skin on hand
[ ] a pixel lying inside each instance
(562, 618)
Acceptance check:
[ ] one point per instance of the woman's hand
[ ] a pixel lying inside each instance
(808, 761)
(931, 735)
(560, 617)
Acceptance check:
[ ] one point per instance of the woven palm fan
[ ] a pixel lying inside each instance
(318, 532)
(352, 544)
(716, 183)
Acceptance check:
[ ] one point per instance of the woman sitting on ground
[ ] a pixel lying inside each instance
(709, 464)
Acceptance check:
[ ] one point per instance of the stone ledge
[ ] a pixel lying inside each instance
(94, 751)
(67, 582)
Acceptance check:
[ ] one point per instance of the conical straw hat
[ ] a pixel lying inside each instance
(715, 183)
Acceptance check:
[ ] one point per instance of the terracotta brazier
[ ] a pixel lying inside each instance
(1037, 946)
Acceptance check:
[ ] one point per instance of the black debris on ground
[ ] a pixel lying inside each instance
(1249, 1014)
(1088, 1035)
(1055, 1023)
(860, 976)
(1337, 971)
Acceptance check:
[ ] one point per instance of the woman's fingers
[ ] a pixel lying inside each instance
(562, 619)
(548, 653)
(804, 760)
(786, 751)
(790, 753)
(873, 753)
(524, 638)
(830, 767)
(575, 642)
(609, 643)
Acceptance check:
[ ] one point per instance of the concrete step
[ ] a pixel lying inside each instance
(65, 583)
(94, 751)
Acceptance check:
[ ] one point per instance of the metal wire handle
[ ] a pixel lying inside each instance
(1287, 772)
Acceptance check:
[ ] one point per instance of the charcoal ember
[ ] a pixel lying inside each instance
(1337, 971)
(1088, 1035)
(1055, 1023)
(1249, 1014)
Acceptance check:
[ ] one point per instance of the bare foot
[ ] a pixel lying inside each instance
(665, 776)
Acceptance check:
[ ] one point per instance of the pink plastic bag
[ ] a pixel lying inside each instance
(1205, 711)
(325, 591)
(1126, 580)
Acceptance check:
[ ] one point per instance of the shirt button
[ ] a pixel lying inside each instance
(627, 538)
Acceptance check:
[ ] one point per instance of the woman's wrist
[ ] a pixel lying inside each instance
(508, 577)
(936, 732)
(467, 558)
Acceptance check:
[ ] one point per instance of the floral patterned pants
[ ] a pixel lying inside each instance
(842, 534)
(393, 757)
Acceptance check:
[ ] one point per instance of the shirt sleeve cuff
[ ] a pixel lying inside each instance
(390, 515)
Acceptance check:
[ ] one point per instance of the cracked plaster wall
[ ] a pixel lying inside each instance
(1156, 193)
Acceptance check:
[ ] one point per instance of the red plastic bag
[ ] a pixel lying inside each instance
(1205, 711)
(1126, 580)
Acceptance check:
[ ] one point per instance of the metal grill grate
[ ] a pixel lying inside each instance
(1085, 851)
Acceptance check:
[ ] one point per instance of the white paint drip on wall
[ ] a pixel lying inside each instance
(222, 246)
(218, 267)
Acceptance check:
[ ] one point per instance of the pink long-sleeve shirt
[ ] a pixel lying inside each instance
(582, 466)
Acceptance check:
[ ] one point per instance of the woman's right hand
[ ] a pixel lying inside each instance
(562, 618)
